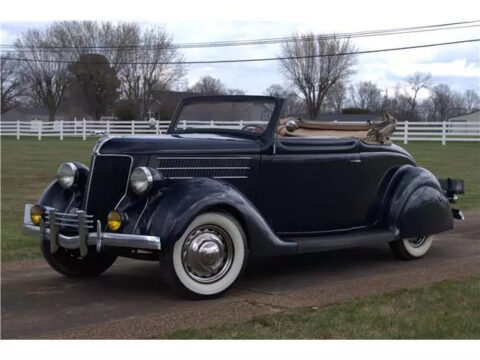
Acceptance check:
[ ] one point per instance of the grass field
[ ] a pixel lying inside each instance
(29, 165)
(447, 310)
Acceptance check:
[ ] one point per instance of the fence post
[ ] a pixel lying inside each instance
(133, 127)
(184, 124)
(18, 129)
(75, 126)
(157, 127)
(444, 132)
(84, 129)
(40, 130)
(61, 129)
(405, 132)
(108, 127)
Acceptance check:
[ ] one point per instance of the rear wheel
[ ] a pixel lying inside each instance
(208, 258)
(70, 264)
(411, 248)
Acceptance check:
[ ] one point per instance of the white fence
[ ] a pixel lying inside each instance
(406, 131)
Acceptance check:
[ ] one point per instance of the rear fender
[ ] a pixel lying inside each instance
(169, 215)
(417, 205)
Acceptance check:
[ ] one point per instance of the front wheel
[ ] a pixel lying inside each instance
(411, 248)
(208, 258)
(70, 264)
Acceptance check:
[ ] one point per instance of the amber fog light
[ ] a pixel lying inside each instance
(36, 213)
(115, 220)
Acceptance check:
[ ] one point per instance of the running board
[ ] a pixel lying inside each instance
(332, 242)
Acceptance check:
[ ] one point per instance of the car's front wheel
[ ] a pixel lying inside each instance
(411, 248)
(70, 264)
(208, 258)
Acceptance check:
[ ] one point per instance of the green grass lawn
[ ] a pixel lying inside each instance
(447, 310)
(29, 165)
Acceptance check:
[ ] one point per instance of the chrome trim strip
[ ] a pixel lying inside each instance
(207, 168)
(203, 158)
(141, 214)
(212, 177)
(230, 177)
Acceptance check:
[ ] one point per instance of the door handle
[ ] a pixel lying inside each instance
(356, 161)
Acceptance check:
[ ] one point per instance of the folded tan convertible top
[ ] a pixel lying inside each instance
(377, 131)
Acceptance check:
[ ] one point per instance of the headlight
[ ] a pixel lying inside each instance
(36, 213)
(143, 179)
(67, 175)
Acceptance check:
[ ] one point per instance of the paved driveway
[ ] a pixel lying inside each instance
(130, 301)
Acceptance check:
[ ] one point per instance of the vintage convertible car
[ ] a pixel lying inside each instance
(230, 180)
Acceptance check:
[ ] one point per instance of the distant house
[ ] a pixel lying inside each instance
(467, 118)
(165, 102)
(341, 117)
(29, 114)
(467, 123)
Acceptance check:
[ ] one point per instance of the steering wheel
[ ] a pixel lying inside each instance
(253, 128)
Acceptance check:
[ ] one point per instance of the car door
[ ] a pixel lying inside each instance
(307, 183)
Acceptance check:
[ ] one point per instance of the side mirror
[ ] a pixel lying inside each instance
(291, 125)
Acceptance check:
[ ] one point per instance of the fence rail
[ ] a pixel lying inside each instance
(406, 131)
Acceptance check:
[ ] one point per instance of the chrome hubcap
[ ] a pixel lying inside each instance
(207, 253)
(417, 241)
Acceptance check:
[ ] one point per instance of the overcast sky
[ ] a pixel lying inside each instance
(456, 65)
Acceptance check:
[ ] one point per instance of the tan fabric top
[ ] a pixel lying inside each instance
(377, 131)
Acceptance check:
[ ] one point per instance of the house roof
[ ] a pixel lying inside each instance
(475, 115)
(37, 110)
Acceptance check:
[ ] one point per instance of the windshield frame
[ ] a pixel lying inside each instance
(267, 133)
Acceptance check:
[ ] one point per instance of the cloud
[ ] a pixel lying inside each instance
(458, 65)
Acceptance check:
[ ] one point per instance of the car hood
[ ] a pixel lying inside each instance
(178, 144)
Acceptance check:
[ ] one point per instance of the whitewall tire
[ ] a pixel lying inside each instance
(209, 256)
(412, 248)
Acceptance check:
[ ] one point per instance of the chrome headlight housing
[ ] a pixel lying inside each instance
(67, 175)
(143, 179)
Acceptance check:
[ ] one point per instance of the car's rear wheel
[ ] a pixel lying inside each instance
(208, 258)
(411, 248)
(69, 262)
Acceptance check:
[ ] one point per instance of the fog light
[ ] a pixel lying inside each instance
(36, 213)
(115, 220)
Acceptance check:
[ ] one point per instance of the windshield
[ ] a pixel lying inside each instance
(250, 116)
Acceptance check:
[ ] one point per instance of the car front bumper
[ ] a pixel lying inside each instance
(49, 230)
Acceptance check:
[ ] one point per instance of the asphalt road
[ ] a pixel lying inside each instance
(130, 301)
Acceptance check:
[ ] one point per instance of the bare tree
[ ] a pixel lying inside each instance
(337, 97)
(471, 100)
(441, 102)
(235, 92)
(417, 82)
(366, 95)
(397, 104)
(11, 85)
(148, 71)
(208, 85)
(313, 64)
(292, 104)
(46, 73)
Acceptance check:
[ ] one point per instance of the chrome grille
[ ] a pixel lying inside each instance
(108, 184)
(69, 220)
(215, 167)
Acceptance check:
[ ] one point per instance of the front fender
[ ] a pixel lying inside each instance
(168, 215)
(418, 205)
(62, 200)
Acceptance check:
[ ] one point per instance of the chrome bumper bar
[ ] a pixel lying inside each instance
(49, 231)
